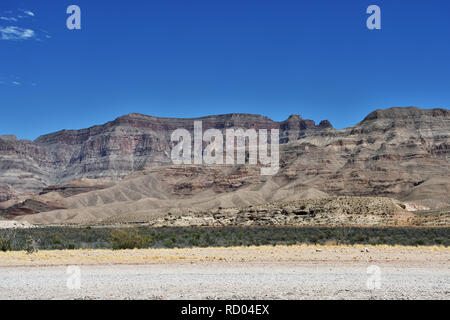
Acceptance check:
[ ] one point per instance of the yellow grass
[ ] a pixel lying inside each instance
(255, 254)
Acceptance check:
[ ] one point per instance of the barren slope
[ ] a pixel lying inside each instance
(401, 153)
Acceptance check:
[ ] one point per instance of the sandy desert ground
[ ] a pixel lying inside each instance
(281, 272)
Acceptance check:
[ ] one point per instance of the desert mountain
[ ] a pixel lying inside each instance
(117, 148)
(121, 171)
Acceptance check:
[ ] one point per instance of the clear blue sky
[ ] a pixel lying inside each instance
(180, 58)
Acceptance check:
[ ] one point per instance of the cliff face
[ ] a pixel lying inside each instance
(393, 152)
(387, 153)
(402, 153)
(117, 148)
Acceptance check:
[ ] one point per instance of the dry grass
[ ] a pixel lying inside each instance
(254, 254)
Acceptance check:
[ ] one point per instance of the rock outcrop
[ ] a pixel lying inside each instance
(29, 207)
(401, 153)
(6, 193)
(116, 148)
(392, 152)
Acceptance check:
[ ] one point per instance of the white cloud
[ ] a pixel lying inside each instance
(17, 17)
(16, 33)
(12, 19)
(11, 83)
(15, 81)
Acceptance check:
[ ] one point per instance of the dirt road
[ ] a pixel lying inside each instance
(228, 281)
(266, 272)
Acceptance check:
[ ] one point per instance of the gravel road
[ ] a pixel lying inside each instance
(229, 281)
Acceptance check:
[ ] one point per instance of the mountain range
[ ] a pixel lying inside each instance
(122, 171)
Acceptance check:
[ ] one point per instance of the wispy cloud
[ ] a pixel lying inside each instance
(21, 14)
(16, 33)
(12, 19)
(15, 81)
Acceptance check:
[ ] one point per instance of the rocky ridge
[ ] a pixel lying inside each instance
(401, 153)
(117, 148)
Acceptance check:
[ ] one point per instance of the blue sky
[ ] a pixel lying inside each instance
(193, 58)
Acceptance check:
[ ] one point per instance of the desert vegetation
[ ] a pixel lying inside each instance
(51, 238)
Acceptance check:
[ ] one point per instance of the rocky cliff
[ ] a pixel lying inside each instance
(402, 153)
(117, 148)
(392, 152)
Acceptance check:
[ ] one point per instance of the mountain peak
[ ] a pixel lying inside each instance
(405, 112)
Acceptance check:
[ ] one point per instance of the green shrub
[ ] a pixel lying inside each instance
(182, 237)
(6, 241)
(31, 245)
(5, 245)
(70, 245)
(169, 242)
(56, 240)
(129, 239)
